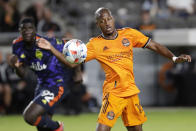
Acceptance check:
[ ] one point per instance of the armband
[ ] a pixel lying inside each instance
(174, 58)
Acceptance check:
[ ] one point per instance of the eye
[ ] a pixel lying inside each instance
(101, 21)
(22, 29)
(30, 27)
(109, 18)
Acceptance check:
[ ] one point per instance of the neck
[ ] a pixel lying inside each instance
(29, 45)
(110, 36)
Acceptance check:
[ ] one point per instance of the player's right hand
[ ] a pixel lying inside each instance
(14, 62)
(44, 44)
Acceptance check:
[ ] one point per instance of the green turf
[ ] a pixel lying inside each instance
(158, 120)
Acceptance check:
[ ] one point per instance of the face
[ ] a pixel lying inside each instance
(28, 32)
(106, 23)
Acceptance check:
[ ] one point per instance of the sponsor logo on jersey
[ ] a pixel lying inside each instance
(119, 56)
(125, 42)
(37, 66)
(38, 54)
(110, 115)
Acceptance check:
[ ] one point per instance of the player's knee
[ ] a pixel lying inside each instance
(29, 118)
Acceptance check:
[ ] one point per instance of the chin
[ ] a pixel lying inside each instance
(110, 32)
(28, 40)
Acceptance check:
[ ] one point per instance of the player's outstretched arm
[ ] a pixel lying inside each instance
(167, 53)
(44, 44)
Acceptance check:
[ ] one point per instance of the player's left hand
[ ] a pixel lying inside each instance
(183, 58)
(44, 44)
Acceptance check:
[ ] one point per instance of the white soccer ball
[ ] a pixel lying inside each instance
(75, 51)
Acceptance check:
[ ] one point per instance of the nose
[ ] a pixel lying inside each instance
(107, 25)
(107, 22)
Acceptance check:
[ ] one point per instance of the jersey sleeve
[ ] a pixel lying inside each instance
(57, 43)
(90, 51)
(140, 40)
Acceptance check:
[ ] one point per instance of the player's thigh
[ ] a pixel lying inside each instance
(133, 114)
(44, 101)
(111, 109)
(48, 98)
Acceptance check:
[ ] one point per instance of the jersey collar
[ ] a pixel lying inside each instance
(116, 35)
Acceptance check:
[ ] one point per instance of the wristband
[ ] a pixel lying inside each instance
(174, 58)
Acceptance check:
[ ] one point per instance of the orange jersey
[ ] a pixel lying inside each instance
(116, 58)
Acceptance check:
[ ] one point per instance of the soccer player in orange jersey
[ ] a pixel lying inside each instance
(114, 50)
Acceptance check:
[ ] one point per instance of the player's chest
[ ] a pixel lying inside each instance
(37, 59)
(107, 47)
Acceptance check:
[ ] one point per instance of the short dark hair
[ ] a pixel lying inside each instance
(100, 10)
(26, 20)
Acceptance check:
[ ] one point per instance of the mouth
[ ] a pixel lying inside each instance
(27, 35)
(108, 28)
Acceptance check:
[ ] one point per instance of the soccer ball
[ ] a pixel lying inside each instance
(75, 51)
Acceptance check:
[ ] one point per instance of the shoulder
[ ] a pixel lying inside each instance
(17, 40)
(126, 29)
(129, 31)
(55, 41)
(95, 39)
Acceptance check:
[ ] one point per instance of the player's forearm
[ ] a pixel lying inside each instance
(61, 58)
(20, 71)
(162, 50)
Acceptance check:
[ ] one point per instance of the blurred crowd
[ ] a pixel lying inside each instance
(54, 16)
(15, 92)
(179, 80)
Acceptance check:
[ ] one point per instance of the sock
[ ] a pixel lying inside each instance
(43, 129)
(46, 122)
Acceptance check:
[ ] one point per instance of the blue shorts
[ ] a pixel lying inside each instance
(49, 97)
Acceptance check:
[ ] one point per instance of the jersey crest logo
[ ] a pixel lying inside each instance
(110, 115)
(125, 42)
(105, 48)
(38, 54)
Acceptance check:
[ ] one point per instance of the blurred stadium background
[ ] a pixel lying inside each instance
(162, 83)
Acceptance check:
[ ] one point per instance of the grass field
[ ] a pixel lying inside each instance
(175, 119)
